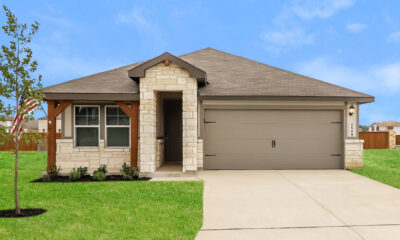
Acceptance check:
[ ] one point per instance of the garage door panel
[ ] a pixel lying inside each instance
(241, 139)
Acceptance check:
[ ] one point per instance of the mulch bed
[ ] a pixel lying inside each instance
(65, 179)
(27, 212)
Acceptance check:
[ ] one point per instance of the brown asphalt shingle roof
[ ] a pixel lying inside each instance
(228, 75)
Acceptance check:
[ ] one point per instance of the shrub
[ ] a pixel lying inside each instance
(99, 176)
(46, 178)
(54, 171)
(102, 168)
(126, 176)
(82, 170)
(74, 175)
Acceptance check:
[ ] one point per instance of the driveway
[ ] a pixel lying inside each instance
(298, 204)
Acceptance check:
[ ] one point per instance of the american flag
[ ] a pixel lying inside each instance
(26, 106)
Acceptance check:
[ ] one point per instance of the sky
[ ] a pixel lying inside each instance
(352, 43)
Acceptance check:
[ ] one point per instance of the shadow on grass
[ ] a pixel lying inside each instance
(27, 212)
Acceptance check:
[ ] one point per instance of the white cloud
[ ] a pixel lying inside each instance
(355, 27)
(308, 9)
(394, 37)
(140, 18)
(277, 40)
(382, 79)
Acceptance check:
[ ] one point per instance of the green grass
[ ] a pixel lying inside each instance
(97, 210)
(382, 165)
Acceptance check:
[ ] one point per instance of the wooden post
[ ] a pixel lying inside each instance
(134, 133)
(54, 109)
(133, 113)
(51, 134)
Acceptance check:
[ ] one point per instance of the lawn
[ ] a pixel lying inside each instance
(97, 210)
(382, 165)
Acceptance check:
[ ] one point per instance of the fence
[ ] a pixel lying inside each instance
(375, 140)
(41, 145)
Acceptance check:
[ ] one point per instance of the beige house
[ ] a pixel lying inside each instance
(42, 124)
(28, 126)
(385, 126)
(203, 110)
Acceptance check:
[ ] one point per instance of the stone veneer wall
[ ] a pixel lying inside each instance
(199, 153)
(392, 139)
(160, 152)
(69, 157)
(353, 153)
(161, 78)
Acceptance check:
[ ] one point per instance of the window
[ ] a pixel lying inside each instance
(117, 127)
(390, 127)
(86, 126)
(377, 128)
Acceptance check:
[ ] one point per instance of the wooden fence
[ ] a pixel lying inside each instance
(398, 140)
(32, 146)
(375, 140)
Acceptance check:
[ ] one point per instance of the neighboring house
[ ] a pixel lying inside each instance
(385, 126)
(29, 125)
(204, 110)
(43, 124)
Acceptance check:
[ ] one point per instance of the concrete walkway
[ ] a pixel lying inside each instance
(298, 204)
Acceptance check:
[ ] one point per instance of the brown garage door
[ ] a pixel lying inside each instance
(273, 139)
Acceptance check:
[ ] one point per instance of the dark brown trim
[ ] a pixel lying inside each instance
(289, 98)
(139, 71)
(93, 96)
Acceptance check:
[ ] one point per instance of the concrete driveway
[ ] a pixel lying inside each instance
(298, 204)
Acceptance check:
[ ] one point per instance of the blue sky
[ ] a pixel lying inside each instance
(353, 43)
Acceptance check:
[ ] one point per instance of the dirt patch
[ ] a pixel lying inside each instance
(27, 212)
(65, 179)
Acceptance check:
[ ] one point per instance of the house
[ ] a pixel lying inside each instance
(203, 110)
(43, 124)
(385, 126)
(29, 125)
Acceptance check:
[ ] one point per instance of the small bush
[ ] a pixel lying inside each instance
(74, 175)
(54, 171)
(82, 170)
(99, 176)
(46, 178)
(126, 176)
(102, 168)
(127, 170)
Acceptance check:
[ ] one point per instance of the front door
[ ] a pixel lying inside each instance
(173, 129)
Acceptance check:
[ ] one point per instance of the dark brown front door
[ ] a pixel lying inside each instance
(173, 129)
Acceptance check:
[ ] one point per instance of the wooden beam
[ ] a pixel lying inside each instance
(133, 113)
(134, 133)
(51, 136)
(124, 108)
(54, 109)
(61, 107)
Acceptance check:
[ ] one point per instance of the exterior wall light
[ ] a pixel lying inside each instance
(352, 109)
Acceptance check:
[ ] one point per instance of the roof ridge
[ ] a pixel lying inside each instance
(311, 78)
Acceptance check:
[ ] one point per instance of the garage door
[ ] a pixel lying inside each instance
(273, 139)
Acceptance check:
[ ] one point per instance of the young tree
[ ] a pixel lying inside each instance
(16, 81)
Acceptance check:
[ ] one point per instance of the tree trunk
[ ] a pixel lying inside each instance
(17, 208)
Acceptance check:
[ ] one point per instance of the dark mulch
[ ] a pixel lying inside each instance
(87, 178)
(27, 212)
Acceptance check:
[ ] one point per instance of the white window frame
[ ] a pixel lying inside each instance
(114, 126)
(87, 126)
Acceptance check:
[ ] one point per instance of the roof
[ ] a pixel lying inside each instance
(229, 76)
(138, 71)
(386, 124)
(31, 124)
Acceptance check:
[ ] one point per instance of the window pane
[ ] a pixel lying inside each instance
(118, 137)
(112, 120)
(80, 110)
(112, 111)
(93, 120)
(115, 116)
(87, 137)
(80, 120)
(124, 120)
